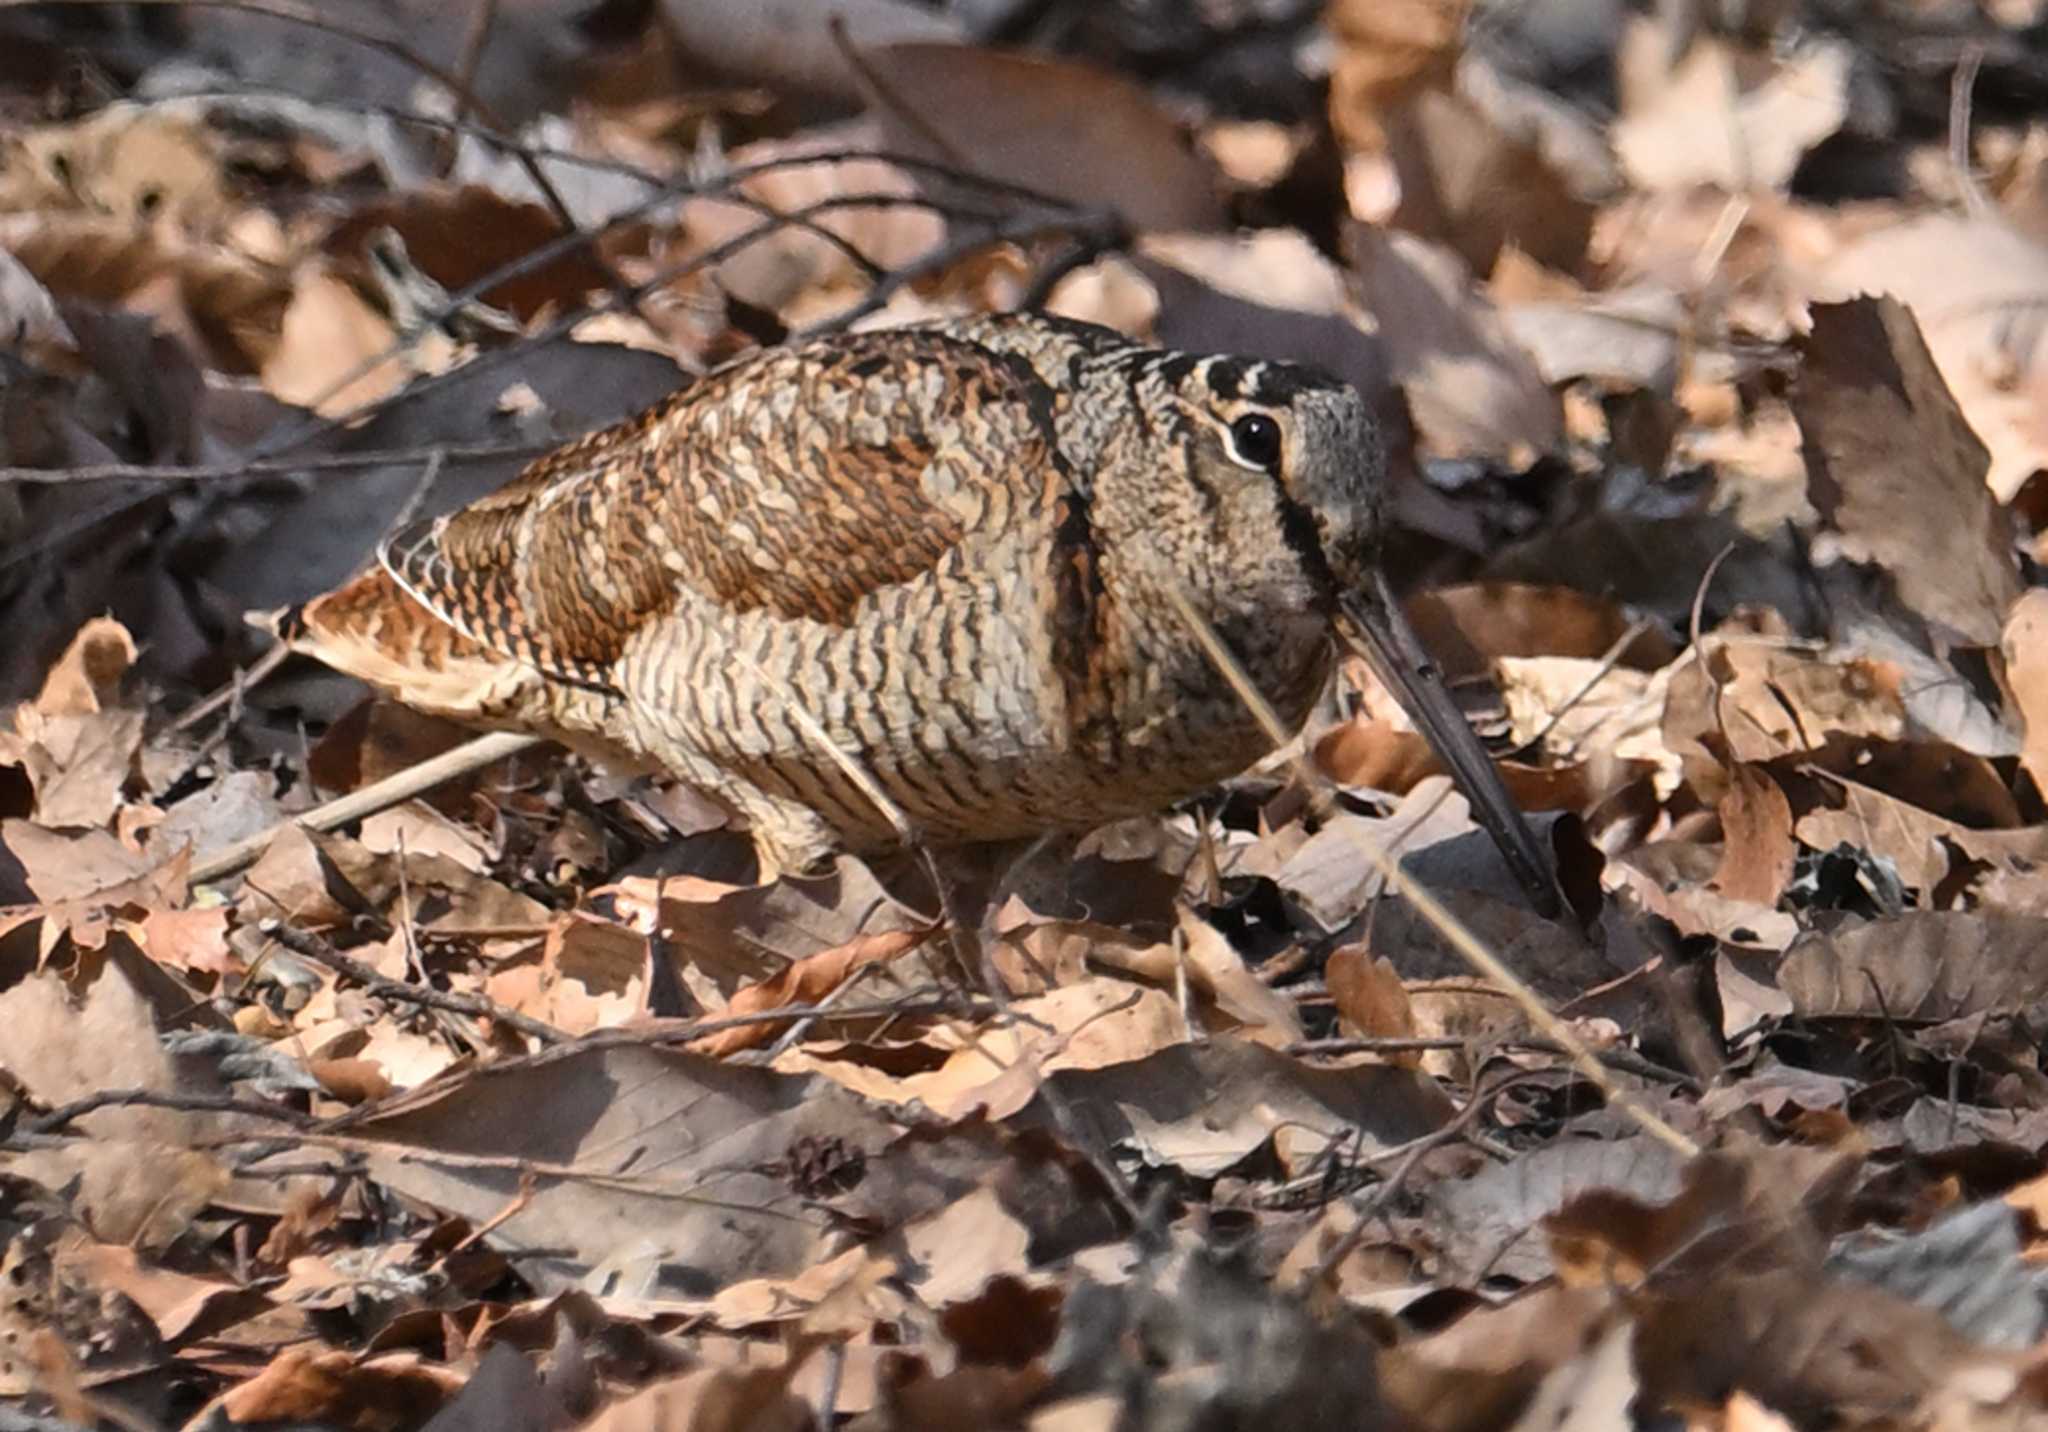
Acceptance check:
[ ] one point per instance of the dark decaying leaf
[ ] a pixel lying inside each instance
(1205, 1108)
(1490, 1224)
(1894, 467)
(668, 1174)
(1027, 120)
(1922, 965)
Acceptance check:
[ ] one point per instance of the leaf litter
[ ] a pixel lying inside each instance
(1710, 373)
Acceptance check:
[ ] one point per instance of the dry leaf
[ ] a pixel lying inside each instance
(1699, 124)
(1893, 466)
(1757, 853)
(1033, 121)
(2025, 643)
(1388, 49)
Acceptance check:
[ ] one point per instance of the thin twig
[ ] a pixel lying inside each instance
(1411, 1155)
(472, 54)
(1461, 939)
(237, 686)
(378, 795)
(64, 1114)
(1961, 86)
(1609, 659)
(310, 946)
(1390, 1044)
(457, 453)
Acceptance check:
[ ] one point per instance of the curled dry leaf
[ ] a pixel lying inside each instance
(1930, 854)
(1757, 852)
(1370, 998)
(87, 677)
(1091, 1024)
(1220, 972)
(1380, 756)
(805, 982)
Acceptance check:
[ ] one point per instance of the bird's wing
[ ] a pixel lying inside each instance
(801, 481)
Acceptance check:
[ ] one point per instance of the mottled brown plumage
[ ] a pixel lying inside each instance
(951, 545)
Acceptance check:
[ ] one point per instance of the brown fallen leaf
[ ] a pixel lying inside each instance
(1969, 281)
(1924, 965)
(1754, 699)
(227, 302)
(805, 982)
(87, 677)
(1467, 626)
(138, 1177)
(1092, 1024)
(1757, 851)
(328, 332)
(380, 1393)
(141, 163)
(1466, 184)
(459, 234)
(174, 1301)
(1377, 755)
(1034, 121)
(1835, 810)
(1473, 391)
(1371, 999)
(1893, 466)
(797, 274)
(670, 1172)
(2025, 644)
(1386, 51)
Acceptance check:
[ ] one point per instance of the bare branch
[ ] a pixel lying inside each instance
(378, 795)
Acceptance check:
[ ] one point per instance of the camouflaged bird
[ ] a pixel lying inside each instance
(948, 549)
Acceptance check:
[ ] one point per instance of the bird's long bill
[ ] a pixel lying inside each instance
(1396, 656)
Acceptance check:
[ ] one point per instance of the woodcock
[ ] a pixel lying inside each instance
(949, 549)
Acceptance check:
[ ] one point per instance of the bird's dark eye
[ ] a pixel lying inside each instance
(1255, 439)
